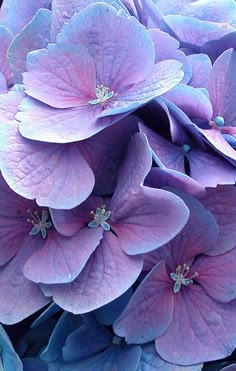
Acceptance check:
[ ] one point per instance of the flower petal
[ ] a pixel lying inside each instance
(149, 311)
(100, 281)
(36, 170)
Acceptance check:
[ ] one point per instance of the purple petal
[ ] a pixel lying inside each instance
(131, 176)
(215, 138)
(165, 153)
(159, 178)
(202, 324)
(49, 123)
(35, 35)
(210, 170)
(149, 311)
(113, 358)
(86, 341)
(23, 296)
(61, 259)
(190, 100)
(70, 222)
(197, 237)
(62, 75)
(108, 274)
(105, 152)
(62, 10)
(13, 221)
(163, 77)
(15, 15)
(113, 37)
(217, 275)
(37, 170)
(140, 223)
(9, 105)
(5, 40)
(207, 10)
(222, 87)
(166, 47)
(150, 361)
(219, 201)
(201, 68)
(195, 32)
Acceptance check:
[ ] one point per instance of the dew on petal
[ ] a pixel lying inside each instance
(180, 277)
(100, 218)
(40, 225)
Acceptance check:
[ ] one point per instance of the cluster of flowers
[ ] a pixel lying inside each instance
(117, 188)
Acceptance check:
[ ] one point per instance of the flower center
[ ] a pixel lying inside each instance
(103, 93)
(100, 217)
(180, 277)
(117, 340)
(186, 148)
(217, 122)
(40, 225)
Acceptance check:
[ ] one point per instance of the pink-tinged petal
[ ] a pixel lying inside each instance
(190, 100)
(113, 358)
(61, 259)
(55, 175)
(60, 125)
(216, 139)
(122, 39)
(159, 178)
(207, 10)
(63, 10)
(3, 84)
(197, 237)
(69, 222)
(13, 221)
(105, 152)
(108, 274)
(217, 275)
(35, 35)
(220, 201)
(201, 68)
(151, 361)
(5, 40)
(149, 311)
(210, 170)
(202, 324)
(195, 32)
(61, 76)
(165, 153)
(163, 77)
(132, 174)
(15, 15)
(19, 297)
(222, 87)
(166, 47)
(140, 223)
(9, 105)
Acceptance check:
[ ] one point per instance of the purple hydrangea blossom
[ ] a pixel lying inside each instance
(188, 298)
(5, 71)
(131, 223)
(105, 94)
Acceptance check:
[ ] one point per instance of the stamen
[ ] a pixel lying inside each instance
(40, 225)
(100, 217)
(186, 148)
(103, 93)
(179, 277)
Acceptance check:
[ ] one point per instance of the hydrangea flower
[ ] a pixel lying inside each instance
(184, 296)
(88, 105)
(131, 223)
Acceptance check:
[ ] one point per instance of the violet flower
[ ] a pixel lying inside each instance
(70, 107)
(131, 222)
(187, 301)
